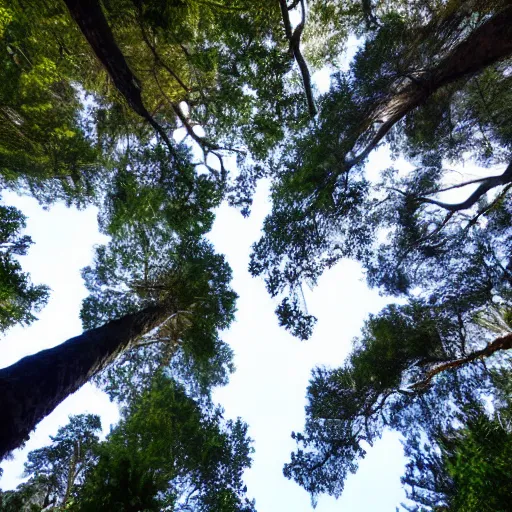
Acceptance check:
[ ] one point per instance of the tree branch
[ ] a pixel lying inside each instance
(486, 185)
(157, 57)
(293, 37)
(499, 344)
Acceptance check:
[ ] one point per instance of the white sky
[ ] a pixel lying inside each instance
(273, 368)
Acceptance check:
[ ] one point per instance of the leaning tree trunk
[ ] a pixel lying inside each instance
(31, 388)
(486, 45)
(89, 16)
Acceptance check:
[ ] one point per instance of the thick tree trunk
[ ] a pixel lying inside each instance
(89, 16)
(94, 26)
(488, 44)
(31, 388)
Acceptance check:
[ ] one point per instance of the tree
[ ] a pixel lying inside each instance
(181, 195)
(56, 471)
(18, 297)
(188, 281)
(414, 368)
(435, 105)
(169, 451)
(469, 469)
(417, 364)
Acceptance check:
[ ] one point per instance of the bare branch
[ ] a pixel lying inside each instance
(499, 344)
(293, 37)
(486, 185)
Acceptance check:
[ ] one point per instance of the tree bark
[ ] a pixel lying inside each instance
(31, 388)
(486, 45)
(501, 343)
(89, 16)
(94, 26)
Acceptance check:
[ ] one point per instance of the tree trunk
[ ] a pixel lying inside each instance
(94, 26)
(31, 388)
(486, 45)
(89, 16)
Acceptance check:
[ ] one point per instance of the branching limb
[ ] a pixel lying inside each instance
(499, 344)
(485, 185)
(483, 211)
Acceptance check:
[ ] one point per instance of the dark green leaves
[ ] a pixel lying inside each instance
(19, 298)
(168, 451)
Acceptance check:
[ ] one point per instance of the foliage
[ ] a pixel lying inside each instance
(469, 470)
(327, 206)
(168, 452)
(57, 470)
(45, 148)
(19, 298)
(148, 266)
(431, 76)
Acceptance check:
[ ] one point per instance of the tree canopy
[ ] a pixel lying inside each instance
(157, 112)
(167, 452)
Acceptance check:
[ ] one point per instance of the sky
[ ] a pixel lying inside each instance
(273, 368)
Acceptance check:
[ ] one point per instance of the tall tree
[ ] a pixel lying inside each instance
(189, 281)
(414, 368)
(170, 452)
(325, 205)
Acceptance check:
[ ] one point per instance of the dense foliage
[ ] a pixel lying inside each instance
(19, 297)
(167, 452)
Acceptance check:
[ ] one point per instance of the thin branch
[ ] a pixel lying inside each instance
(458, 185)
(157, 57)
(483, 211)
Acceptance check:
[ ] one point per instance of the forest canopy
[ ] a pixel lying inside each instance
(158, 112)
